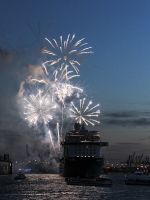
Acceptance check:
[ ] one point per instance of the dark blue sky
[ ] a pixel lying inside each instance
(117, 75)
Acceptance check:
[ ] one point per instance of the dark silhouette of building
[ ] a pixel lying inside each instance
(5, 165)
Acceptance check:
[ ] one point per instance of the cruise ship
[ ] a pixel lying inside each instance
(81, 153)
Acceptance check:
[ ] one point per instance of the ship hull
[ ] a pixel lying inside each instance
(84, 167)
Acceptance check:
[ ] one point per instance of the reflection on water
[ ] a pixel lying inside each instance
(52, 186)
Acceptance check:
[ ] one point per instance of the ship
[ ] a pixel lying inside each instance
(137, 180)
(81, 156)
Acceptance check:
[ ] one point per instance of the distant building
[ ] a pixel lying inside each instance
(5, 165)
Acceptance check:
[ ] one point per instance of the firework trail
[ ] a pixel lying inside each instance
(61, 88)
(85, 113)
(50, 134)
(58, 135)
(65, 52)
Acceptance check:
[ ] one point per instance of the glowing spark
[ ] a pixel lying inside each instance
(85, 114)
(38, 109)
(65, 52)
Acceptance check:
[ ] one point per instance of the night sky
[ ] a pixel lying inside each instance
(116, 75)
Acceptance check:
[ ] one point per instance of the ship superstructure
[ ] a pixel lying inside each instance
(82, 153)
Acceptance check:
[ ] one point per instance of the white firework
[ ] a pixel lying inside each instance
(66, 52)
(85, 114)
(38, 108)
(61, 86)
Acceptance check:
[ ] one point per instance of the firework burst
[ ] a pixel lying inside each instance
(60, 87)
(66, 52)
(85, 113)
(38, 108)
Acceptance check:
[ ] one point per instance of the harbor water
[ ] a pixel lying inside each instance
(53, 186)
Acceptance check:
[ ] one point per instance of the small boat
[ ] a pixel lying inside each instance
(20, 176)
(99, 181)
(137, 180)
(138, 172)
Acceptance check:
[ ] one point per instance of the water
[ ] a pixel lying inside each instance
(52, 186)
